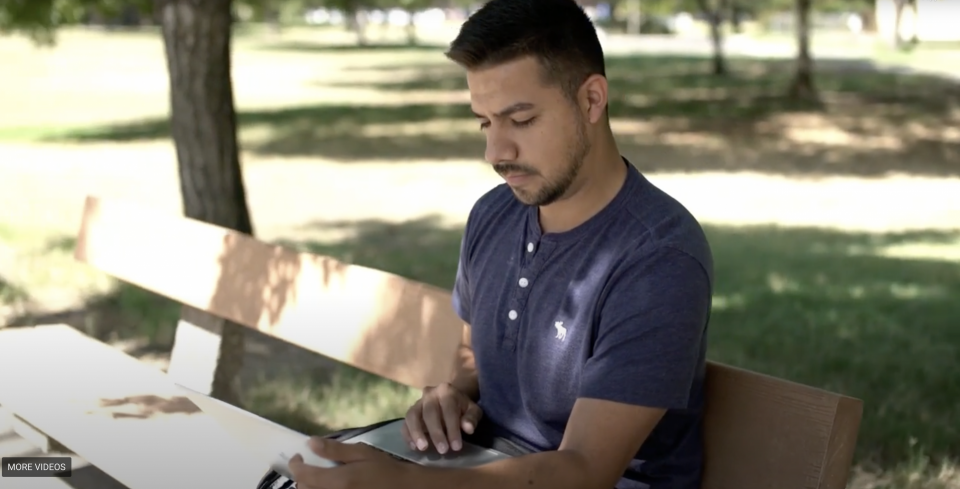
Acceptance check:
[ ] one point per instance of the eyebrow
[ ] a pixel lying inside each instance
(513, 109)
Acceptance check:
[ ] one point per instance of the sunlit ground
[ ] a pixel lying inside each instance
(835, 229)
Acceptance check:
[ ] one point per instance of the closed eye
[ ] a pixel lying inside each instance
(524, 123)
(519, 124)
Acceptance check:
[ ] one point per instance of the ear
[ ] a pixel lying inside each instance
(593, 97)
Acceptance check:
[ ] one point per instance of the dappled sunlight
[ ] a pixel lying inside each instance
(439, 128)
(872, 327)
(782, 284)
(794, 303)
(830, 134)
(411, 105)
(695, 94)
(370, 158)
(917, 473)
(721, 302)
(923, 251)
(788, 302)
(943, 246)
(320, 303)
(842, 130)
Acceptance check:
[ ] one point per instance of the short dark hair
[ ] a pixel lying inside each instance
(557, 33)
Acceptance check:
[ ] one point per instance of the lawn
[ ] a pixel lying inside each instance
(869, 313)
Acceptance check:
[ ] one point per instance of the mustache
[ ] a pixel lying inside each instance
(504, 168)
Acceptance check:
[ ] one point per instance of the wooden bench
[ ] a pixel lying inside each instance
(761, 432)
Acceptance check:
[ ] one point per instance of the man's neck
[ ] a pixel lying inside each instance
(601, 178)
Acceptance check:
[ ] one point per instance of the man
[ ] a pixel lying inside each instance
(585, 289)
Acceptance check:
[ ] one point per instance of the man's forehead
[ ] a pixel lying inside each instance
(507, 88)
(519, 75)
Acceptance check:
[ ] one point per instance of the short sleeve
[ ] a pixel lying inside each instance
(462, 292)
(651, 332)
(461, 286)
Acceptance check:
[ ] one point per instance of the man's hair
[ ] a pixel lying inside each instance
(557, 33)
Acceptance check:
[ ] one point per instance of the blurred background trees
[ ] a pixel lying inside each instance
(197, 38)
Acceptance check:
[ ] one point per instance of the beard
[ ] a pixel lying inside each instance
(556, 187)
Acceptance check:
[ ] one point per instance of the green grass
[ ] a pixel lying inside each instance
(326, 401)
(673, 95)
(819, 307)
(10, 293)
(840, 311)
(870, 315)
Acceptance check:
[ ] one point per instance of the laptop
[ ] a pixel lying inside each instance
(277, 444)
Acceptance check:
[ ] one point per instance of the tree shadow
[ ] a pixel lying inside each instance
(11, 294)
(142, 323)
(868, 315)
(668, 114)
(422, 249)
(839, 311)
(319, 47)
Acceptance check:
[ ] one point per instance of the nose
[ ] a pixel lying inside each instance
(500, 147)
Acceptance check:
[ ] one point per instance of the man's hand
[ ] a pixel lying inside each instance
(363, 467)
(440, 414)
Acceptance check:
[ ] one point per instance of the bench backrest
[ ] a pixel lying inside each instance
(761, 432)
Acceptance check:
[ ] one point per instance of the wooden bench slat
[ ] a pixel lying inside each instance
(769, 432)
(380, 322)
(117, 413)
(843, 443)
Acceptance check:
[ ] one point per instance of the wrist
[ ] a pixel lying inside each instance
(422, 477)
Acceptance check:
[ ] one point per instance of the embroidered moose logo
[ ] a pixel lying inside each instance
(561, 331)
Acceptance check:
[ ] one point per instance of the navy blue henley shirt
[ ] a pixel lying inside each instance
(615, 309)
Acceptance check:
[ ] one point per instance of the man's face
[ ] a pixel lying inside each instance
(536, 137)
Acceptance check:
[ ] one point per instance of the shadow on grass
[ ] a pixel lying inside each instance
(667, 113)
(332, 398)
(11, 294)
(848, 312)
(316, 47)
(824, 308)
(332, 131)
(126, 313)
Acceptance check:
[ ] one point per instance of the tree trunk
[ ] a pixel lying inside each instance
(197, 35)
(356, 21)
(411, 29)
(803, 87)
(899, 41)
(634, 17)
(736, 23)
(271, 16)
(715, 16)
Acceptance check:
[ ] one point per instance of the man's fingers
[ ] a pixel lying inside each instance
(414, 425)
(470, 418)
(451, 421)
(433, 419)
(340, 452)
(406, 435)
(306, 475)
